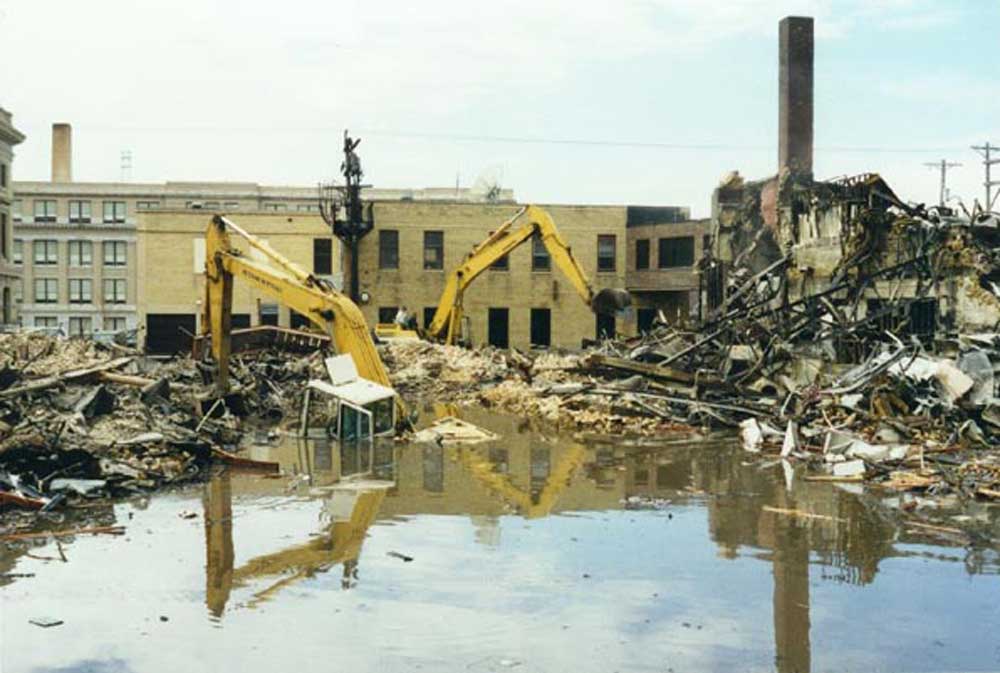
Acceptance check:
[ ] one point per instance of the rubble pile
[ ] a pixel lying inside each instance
(80, 420)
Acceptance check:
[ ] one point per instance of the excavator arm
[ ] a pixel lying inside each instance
(336, 315)
(447, 320)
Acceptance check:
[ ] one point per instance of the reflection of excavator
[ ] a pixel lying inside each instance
(533, 220)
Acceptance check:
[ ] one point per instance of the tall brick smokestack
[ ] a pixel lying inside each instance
(795, 95)
(62, 153)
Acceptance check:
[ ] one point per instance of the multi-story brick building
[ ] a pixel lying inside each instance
(127, 255)
(76, 241)
(10, 273)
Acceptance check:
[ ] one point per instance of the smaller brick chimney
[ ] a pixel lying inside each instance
(62, 153)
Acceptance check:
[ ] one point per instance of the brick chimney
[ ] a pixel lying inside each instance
(62, 153)
(795, 94)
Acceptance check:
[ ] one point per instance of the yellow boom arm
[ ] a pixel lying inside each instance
(534, 220)
(289, 284)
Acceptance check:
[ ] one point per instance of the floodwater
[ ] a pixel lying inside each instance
(527, 554)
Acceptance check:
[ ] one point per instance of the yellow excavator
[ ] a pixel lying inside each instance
(528, 222)
(334, 314)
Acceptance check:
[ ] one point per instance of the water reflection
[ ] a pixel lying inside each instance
(753, 510)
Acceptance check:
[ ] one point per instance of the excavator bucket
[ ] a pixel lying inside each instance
(610, 300)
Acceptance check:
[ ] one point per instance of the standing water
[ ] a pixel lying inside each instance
(528, 553)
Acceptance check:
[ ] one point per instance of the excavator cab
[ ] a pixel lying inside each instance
(347, 407)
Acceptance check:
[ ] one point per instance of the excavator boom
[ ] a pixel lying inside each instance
(446, 323)
(335, 314)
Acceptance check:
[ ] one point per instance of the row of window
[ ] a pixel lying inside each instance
(81, 291)
(388, 252)
(80, 325)
(114, 212)
(45, 252)
(498, 324)
(45, 210)
(673, 252)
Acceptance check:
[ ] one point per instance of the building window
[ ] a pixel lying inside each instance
(114, 324)
(502, 264)
(3, 236)
(45, 210)
(540, 260)
(275, 206)
(45, 253)
(268, 314)
(433, 250)
(145, 205)
(46, 290)
(79, 326)
(642, 254)
(322, 256)
(606, 252)
(15, 210)
(388, 249)
(114, 290)
(81, 253)
(114, 212)
(387, 314)
(676, 252)
(212, 205)
(114, 253)
(3, 175)
(307, 208)
(46, 321)
(541, 327)
(19, 290)
(79, 212)
(80, 290)
(231, 205)
(18, 252)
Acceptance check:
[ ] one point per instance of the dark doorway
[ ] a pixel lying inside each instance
(387, 314)
(429, 312)
(605, 326)
(168, 333)
(541, 327)
(645, 318)
(297, 321)
(241, 320)
(499, 335)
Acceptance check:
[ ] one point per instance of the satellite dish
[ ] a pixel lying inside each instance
(488, 184)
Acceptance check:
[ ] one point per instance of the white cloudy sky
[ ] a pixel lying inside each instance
(645, 101)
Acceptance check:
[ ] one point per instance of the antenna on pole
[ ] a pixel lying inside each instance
(126, 165)
(943, 165)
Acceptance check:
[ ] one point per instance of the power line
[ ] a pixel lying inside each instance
(944, 165)
(516, 139)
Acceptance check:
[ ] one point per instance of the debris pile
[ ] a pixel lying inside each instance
(80, 420)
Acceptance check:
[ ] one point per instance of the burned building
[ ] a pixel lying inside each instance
(844, 257)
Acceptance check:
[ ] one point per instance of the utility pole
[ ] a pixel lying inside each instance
(944, 165)
(985, 151)
(358, 220)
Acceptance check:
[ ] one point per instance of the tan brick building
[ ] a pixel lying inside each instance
(526, 301)
(664, 247)
(171, 259)
(10, 273)
(76, 241)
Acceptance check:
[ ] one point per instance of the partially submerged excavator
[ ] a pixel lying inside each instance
(530, 221)
(359, 398)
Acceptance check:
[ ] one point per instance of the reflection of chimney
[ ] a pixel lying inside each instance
(795, 94)
(62, 153)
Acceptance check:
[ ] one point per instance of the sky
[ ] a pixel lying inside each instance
(622, 102)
